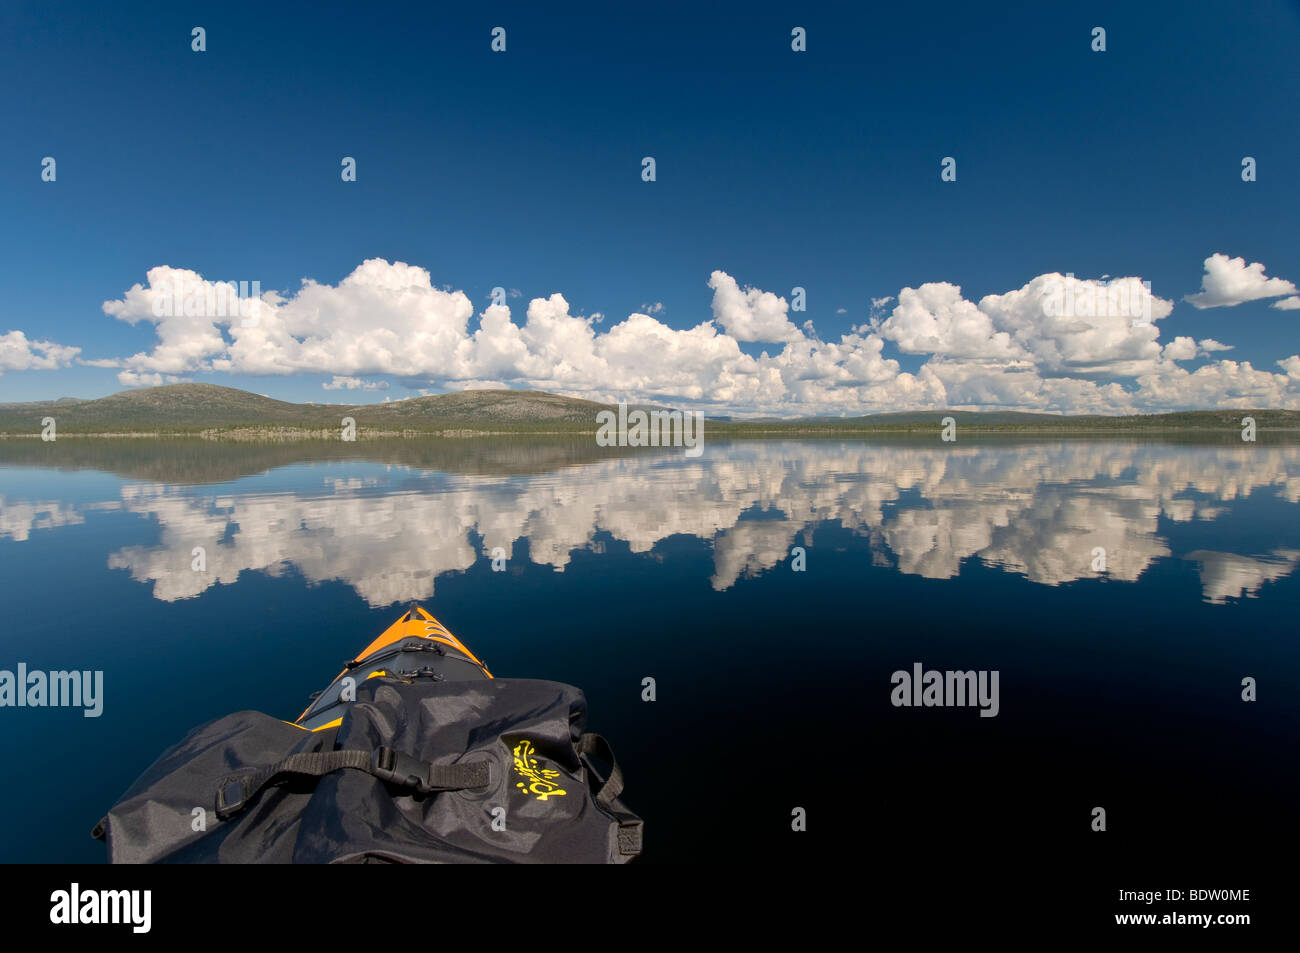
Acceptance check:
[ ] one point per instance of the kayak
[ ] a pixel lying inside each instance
(426, 767)
(416, 646)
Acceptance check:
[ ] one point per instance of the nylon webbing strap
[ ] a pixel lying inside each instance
(613, 786)
(235, 792)
(630, 827)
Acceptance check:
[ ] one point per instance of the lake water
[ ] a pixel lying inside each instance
(1119, 688)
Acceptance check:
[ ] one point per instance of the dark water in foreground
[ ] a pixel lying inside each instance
(1119, 689)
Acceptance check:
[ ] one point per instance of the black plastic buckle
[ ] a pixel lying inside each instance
(401, 769)
(421, 644)
(426, 672)
(231, 797)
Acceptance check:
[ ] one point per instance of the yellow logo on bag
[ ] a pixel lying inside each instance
(537, 780)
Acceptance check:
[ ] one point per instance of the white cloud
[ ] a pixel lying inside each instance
(1180, 349)
(129, 378)
(751, 314)
(936, 319)
(1031, 348)
(1082, 327)
(1229, 282)
(1287, 304)
(186, 341)
(974, 386)
(1186, 348)
(17, 353)
(354, 383)
(1055, 324)
(1218, 385)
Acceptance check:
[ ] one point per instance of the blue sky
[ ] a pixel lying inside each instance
(522, 170)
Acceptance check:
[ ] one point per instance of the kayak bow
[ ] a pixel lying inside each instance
(416, 645)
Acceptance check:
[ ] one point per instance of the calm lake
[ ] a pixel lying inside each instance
(1121, 589)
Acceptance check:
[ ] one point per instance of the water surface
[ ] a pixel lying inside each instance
(1122, 589)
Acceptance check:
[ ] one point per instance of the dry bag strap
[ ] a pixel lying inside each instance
(630, 826)
(613, 786)
(235, 792)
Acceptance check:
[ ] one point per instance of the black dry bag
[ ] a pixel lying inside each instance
(419, 771)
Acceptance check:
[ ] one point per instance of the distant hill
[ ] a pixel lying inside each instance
(496, 406)
(215, 411)
(194, 408)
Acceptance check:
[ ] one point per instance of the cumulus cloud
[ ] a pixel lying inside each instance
(1229, 282)
(1186, 348)
(936, 319)
(1209, 344)
(1055, 324)
(1221, 384)
(1056, 344)
(187, 337)
(1082, 326)
(354, 383)
(17, 353)
(1287, 304)
(130, 378)
(973, 386)
(382, 318)
(1180, 349)
(751, 314)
